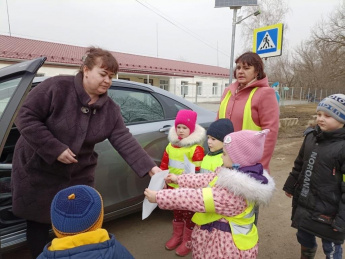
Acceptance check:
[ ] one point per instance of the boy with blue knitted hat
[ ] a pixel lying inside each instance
(316, 183)
(77, 217)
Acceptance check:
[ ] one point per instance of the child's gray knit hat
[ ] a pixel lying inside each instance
(334, 105)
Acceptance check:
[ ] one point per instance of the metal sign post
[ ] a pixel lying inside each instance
(234, 18)
(235, 5)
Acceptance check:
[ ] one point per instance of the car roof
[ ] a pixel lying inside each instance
(115, 82)
(140, 87)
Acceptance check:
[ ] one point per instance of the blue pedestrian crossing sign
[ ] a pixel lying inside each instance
(268, 41)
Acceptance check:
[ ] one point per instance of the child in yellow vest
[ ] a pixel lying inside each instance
(215, 136)
(186, 139)
(224, 201)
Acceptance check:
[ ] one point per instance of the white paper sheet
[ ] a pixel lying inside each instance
(189, 167)
(157, 183)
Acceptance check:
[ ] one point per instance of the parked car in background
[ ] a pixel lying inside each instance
(149, 112)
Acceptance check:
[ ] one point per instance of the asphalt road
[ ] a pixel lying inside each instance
(145, 239)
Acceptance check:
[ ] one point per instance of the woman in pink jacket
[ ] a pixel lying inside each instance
(250, 103)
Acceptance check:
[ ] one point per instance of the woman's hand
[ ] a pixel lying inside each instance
(154, 170)
(171, 178)
(288, 194)
(150, 195)
(67, 157)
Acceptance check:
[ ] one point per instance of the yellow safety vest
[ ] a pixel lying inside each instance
(176, 159)
(248, 123)
(243, 229)
(210, 163)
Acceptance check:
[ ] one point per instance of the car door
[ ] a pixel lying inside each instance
(15, 82)
(145, 115)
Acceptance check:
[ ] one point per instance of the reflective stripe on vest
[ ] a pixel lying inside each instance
(213, 182)
(243, 230)
(176, 164)
(210, 163)
(176, 158)
(208, 200)
(248, 123)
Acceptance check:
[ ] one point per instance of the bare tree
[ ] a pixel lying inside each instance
(318, 66)
(319, 62)
(332, 32)
(330, 35)
(280, 69)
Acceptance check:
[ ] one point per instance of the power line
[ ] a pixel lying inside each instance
(185, 29)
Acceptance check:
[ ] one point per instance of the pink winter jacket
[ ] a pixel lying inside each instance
(265, 112)
(229, 194)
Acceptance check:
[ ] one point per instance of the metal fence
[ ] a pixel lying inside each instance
(306, 94)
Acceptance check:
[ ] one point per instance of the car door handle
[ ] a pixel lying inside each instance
(5, 166)
(165, 128)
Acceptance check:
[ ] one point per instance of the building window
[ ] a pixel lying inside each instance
(215, 89)
(199, 88)
(164, 84)
(124, 78)
(184, 88)
(150, 81)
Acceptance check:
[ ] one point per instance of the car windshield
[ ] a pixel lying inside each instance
(7, 89)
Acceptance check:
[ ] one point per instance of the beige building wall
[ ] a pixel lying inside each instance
(48, 69)
(210, 88)
(55, 71)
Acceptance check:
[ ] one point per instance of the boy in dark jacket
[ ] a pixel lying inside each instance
(317, 182)
(77, 217)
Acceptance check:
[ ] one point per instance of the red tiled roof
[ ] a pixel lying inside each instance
(21, 48)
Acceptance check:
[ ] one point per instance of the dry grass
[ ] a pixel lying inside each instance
(305, 114)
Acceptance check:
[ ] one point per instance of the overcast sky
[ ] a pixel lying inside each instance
(187, 30)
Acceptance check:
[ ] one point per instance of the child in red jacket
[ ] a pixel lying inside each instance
(185, 139)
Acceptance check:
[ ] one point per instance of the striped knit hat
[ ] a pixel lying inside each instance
(76, 209)
(334, 105)
(245, 147)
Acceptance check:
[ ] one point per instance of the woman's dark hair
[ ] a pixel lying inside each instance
(108, 61)
(252, 59)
